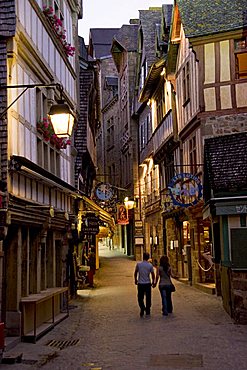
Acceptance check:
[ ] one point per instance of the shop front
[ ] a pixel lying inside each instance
(226, 206)
(93, 224)
(229, 216)
(189, 237)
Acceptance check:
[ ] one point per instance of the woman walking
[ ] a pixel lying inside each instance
(166, 287)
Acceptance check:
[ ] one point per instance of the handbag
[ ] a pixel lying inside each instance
(172, 286)
(173, 289)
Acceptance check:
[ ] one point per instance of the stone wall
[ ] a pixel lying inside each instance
(224, 125)
(171, 234)
(239, 296)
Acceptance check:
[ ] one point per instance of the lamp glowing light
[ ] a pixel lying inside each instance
(129, 204)
(62, 119)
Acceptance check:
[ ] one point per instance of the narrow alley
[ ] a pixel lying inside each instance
(104, 330)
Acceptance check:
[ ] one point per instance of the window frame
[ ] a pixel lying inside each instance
(240, 51)
(193, 154)
(186, 83)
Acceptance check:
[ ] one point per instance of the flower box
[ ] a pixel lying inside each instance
(44, 127)
(57, 25)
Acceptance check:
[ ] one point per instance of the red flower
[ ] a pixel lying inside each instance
(46, 129)
(57, 24)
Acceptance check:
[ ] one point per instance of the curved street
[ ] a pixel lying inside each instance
(104, 330)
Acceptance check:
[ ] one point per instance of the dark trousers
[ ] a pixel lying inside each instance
(144, 290)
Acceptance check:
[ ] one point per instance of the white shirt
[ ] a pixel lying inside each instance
(144, 270)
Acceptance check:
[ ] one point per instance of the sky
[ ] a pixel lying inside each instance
(112, 13)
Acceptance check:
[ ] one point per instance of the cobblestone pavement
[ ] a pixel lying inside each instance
(104, 330)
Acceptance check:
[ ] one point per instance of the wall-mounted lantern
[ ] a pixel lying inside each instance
(61, 116)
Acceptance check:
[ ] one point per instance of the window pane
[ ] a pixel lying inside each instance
(241, 65)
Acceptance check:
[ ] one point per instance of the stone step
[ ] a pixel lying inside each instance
(11, 358)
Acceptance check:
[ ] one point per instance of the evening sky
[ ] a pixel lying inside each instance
(112, 13)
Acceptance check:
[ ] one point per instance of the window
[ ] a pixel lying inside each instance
(149, 127)
(186, 83)
(142, 135)
(143, 73)
(57, 6)
(110, 133)
(192, 155)
(240, 48)
(169, 168)
(41, 105)
(160, 105)
(145, 132)
(47, 156)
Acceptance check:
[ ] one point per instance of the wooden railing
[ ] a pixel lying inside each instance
(163, 132)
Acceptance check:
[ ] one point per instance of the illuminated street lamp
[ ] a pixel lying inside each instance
(62, 118)
(129, 204)
(60, 114)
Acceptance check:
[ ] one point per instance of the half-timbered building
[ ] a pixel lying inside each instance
(38, 50)
(207, 57)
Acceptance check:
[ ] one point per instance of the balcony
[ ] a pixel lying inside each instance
(163, 132)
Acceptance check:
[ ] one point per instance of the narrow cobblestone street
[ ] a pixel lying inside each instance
(105, 331)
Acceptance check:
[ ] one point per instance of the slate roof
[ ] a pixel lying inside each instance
(7, 18)
(102, 40)
(149, 20)
(206, 17)
(127, 37)
(82, 48)
(225, 163)
(167, 13)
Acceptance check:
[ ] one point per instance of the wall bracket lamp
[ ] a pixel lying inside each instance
(61, 116)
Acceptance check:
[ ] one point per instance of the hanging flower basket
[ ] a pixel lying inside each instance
(44, 127)
(57, 25)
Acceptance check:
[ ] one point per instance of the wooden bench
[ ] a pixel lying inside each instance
(42, 311)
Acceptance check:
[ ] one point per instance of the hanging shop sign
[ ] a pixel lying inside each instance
(90, 224)
(185, 190)
(122, 215)
(104, 191)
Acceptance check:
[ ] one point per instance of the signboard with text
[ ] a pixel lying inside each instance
(185, 189)
(90, 224)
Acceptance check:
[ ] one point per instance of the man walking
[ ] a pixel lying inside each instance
(142, 280)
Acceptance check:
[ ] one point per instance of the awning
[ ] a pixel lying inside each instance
(226, 206)
(89, 205)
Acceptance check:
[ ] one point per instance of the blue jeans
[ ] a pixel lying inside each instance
(166, 297)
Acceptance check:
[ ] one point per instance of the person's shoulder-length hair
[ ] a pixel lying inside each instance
(164, 262)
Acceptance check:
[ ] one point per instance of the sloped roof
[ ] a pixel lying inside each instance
(125, 39)
(167, 12)
(226, 163)
(149, 21)
(152, 80)
(127, 36)
(101, 39)
(82, 48)
(7, 18)
(206, 17)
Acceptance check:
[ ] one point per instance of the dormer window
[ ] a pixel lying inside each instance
(240, 50)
